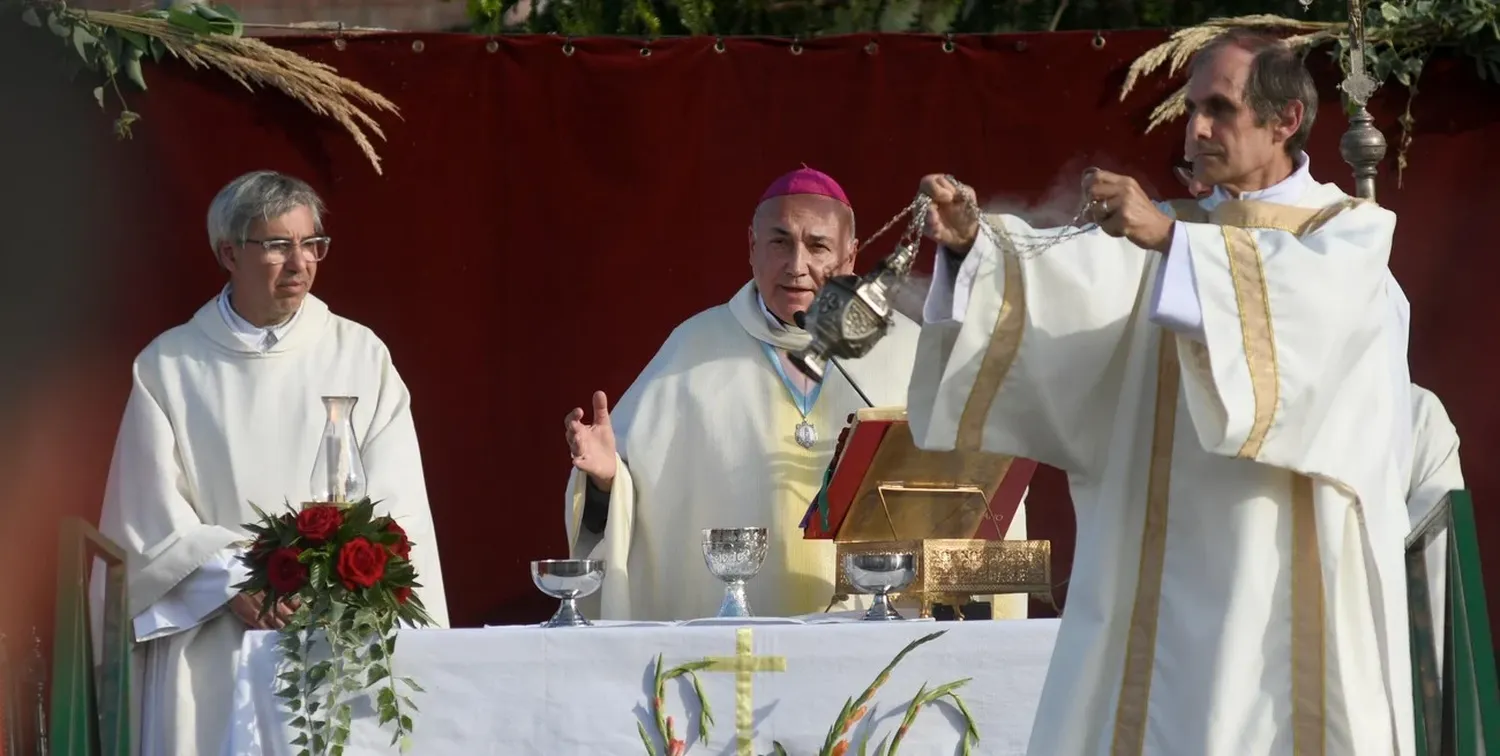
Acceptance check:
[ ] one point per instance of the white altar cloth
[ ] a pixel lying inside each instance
(518, 691)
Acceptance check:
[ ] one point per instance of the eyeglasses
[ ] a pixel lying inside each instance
(278, 251)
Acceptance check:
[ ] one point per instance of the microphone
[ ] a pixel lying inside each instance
(800, 318)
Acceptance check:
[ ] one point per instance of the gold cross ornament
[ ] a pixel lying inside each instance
(744, 664)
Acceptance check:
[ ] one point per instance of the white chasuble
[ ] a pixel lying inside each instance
(214, 423)
(705, 437)
(1238, 585)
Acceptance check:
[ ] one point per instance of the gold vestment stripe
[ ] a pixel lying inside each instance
(1308, 673)
(1309, 704)
(1005, 341)
(1249, 277)
(1140, 640)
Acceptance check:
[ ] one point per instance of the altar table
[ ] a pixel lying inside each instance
(518, 691)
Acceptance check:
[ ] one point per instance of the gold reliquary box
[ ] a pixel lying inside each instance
(951, 510)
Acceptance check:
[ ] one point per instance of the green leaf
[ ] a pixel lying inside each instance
(413, 684)
(56, 23)
(645, 739)
(31, 18)
(191, 22)
(84, 43)
(158, 50)
(99, 96)
(134, 39)
(1391, 12)
(377, 673)
(111, 53)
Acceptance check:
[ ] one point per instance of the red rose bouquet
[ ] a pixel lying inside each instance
(348, 575)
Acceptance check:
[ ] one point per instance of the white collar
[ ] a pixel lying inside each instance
(256, 337)
(1285, 192)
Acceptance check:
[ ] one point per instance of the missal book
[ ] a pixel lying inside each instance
(951, 509)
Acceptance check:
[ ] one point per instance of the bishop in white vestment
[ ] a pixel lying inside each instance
(224, 412)
(1226, 388)
(720, 430)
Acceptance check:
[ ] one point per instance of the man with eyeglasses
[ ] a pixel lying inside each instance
(225, 410)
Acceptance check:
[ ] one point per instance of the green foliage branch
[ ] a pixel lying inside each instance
(836, 742)
(114, 45)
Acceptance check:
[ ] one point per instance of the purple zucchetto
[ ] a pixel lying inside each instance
(805, 180)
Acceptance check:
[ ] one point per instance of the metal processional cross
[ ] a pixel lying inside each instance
(1362, 146)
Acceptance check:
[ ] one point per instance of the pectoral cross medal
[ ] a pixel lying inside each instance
(805, 434)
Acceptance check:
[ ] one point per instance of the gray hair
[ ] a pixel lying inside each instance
(258, 195)
(1278, 77)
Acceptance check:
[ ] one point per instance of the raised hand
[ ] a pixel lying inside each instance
(1121, 208)
(951, 221)
(593, 446)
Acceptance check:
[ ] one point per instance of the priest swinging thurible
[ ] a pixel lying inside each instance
(721, 430)
(1225, 383)
(226, 410)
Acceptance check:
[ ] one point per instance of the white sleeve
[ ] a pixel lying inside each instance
(1174, 304)
(196, 598)
(948, 298)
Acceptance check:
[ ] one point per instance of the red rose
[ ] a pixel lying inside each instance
(318, 524)
(402, 547)
(285, 572)
(361, 563)
(402, 594)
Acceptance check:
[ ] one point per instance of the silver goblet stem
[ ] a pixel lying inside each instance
(735, 604)
(567, 614)
(881, 609)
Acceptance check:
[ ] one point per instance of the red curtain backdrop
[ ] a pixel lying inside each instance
(546, 219)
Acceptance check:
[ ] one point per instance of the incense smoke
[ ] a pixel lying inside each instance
(1062, 200)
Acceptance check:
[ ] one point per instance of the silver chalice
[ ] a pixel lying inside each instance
(734, 555)
(568, 580)
(880, 574)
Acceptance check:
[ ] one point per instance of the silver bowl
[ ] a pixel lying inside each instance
(567, 580)
(880, 574)
(735, 555)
